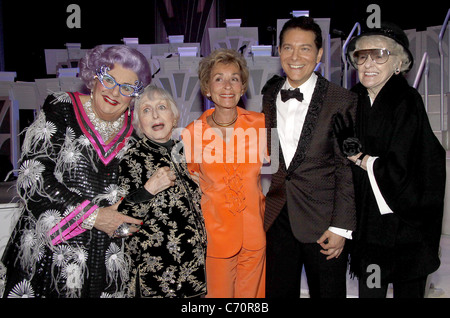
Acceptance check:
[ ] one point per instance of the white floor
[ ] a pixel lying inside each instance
(438, 282)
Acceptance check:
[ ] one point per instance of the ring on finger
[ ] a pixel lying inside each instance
(122, 231)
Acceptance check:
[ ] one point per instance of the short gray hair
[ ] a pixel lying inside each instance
(149, 92)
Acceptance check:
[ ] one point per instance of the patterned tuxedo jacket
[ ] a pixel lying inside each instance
(317, 186)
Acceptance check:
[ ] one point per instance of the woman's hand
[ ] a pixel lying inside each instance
(162, 179)
(364, 160)
(195, 176)
(109, 219)
(345, 135)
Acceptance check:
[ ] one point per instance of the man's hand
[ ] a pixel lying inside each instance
(109, 219)
(332, 244)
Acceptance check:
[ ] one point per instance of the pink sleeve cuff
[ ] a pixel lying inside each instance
(70, 226)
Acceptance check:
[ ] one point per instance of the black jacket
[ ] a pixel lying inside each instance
(410, 173)
(168, 253)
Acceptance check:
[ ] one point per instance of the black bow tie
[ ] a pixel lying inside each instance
(287, 94)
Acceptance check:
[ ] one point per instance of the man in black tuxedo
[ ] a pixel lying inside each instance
(310, 209)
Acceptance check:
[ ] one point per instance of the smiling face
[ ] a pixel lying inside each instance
(299, 55)
(372, 75)
(109, 104)
(225, 85)
(156, 118)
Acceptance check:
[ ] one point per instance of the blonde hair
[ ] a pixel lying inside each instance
(225, 56)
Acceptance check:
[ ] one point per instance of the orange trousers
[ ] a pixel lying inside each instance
(240, 276)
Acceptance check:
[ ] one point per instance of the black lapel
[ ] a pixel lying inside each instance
(270, 91)
(310, 122)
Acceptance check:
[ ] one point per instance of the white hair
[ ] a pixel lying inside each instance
(152, 92)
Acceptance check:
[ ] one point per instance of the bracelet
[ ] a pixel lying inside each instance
(359, 160)
(88, 224)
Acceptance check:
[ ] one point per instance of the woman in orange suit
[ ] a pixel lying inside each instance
(225, 148)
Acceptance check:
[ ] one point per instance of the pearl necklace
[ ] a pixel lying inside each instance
(225, 124)
(106, 129)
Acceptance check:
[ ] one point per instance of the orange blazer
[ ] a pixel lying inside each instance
(232, 200)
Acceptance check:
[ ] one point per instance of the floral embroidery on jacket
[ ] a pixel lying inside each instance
(168, 253)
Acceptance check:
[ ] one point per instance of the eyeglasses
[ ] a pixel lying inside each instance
(379, 56)
(109, 82)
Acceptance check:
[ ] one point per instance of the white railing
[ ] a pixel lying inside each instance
(441, 55)
(344, 49)
(423, 72)
(320, 67)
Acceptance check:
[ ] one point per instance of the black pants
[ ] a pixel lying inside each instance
(414, 288)
(285, 258)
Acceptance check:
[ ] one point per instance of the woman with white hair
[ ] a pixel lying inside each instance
(399, 170)
(168, 253)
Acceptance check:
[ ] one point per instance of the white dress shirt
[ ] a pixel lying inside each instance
(290, 119)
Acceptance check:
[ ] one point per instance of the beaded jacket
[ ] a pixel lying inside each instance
(168, 253)
(66, 172)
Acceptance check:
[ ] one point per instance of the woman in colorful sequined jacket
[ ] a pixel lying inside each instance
(168, 253)
(224, 147)
(66, 242)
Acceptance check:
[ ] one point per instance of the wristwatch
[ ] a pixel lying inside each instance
(359, 160)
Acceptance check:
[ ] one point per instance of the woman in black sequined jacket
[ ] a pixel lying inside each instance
(63, 244)
(168, 253)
